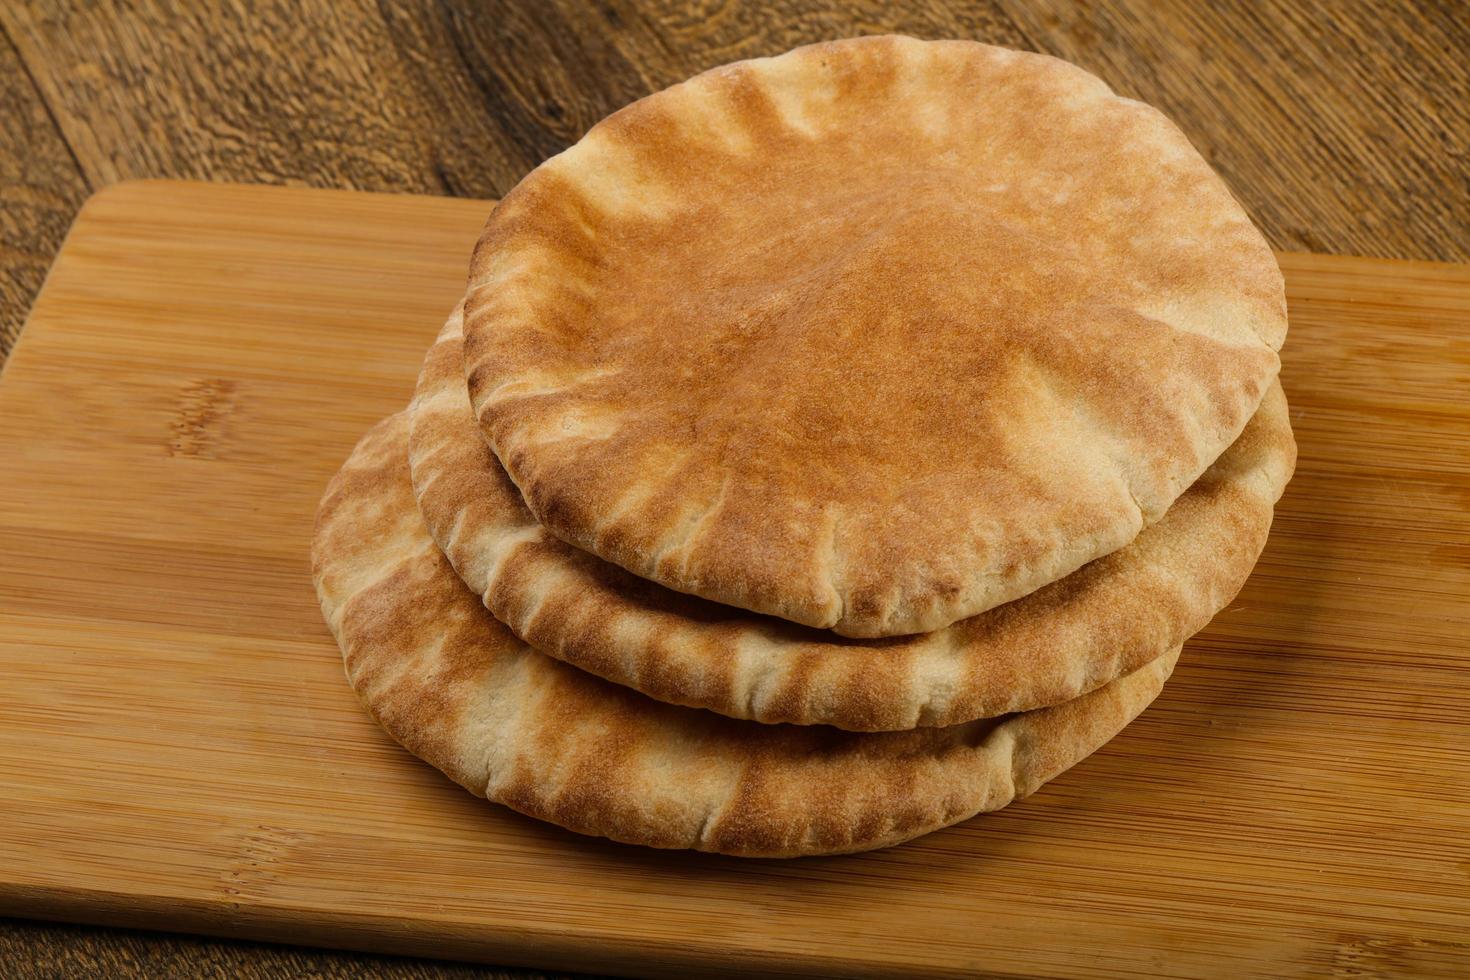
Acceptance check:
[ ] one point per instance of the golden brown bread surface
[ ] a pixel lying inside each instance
(1070, 637)
(874, 336)
(456, 688)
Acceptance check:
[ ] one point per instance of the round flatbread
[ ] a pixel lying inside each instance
(456, 688)
(1072, 636)
(872, 336)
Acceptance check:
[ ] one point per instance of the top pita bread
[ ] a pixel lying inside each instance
(459, 690)
(1060, 641)
(872, 336)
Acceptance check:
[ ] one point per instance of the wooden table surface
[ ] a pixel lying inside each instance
(1344, 127)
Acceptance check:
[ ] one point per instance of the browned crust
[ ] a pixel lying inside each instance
(455, 687)
(1068, 638)
(872, 336)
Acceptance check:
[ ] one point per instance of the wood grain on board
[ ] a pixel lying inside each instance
(179, 748)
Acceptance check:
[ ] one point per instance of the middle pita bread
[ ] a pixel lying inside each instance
(1100, 623)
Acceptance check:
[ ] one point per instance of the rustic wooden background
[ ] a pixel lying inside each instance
(1344, 127)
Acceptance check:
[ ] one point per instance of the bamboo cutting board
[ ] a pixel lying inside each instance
(178, 748)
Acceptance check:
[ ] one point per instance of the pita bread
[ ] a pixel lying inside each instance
(872, 336)
(458, 689)
(1103, 621)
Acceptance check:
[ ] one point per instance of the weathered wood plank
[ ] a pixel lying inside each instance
(41, 187)
(1343, 127)
(311, 93)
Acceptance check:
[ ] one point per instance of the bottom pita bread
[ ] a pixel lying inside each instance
(457, 689)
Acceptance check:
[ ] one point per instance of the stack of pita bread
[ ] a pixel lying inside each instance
(827, 449)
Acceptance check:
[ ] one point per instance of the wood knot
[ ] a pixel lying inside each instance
(197, 422)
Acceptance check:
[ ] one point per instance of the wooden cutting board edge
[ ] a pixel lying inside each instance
(471, 942)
